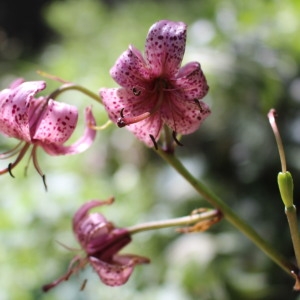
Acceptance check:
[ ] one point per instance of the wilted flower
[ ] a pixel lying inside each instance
(156, 90)
(101, 241)
(39, 122)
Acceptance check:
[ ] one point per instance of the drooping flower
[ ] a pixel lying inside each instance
(156, 90)
(101, 241)
(40, 122)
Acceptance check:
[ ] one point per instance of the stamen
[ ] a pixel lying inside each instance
(153, 141)
(73, 269)
(11, 152)
(175, 138)
(124, 121)
(83, 285)
(9, 170)
(136, 92)
(122, 112)
(44, 182)
(18, 159)
(159, 90)
(37, 166)
(199, 105)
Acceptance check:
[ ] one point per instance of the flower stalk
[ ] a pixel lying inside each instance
(286, 188)
(271, 115)
(229, 214)
(72, 86)
(202, 217)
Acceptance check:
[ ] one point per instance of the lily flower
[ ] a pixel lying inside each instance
(156, 90)
(101, 241)
(39, 122)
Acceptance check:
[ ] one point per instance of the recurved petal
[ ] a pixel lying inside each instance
(97, 236)
(51, 143)
(191, 81)
(130, 69)
(184, 116)
(149, 127)
(119, 99)
(56, 123)
(14, 103)
(82, 213)
(165, 46)
(118, 272)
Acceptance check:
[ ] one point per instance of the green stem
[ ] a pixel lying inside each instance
(271, 115)
(291, 214)
(231, 217)
(183, 221)
(73, 86)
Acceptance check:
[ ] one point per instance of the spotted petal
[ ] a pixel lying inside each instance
(149, 127)
(183, 116)
(119, 270)
(118, 99)
(14, 103)
(191, 81)
(130, 69)
(165, 46)
(53, 140)
(57, 123)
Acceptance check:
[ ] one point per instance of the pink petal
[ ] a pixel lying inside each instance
(165, 46)
(16, 83)
(191, 81)
(150, 126)
(116, 99)
(85, 223)
(82, 212)
(14, 103)
(80, 145)
(184, 116)
(56, 124)
(118, 272)
(130, 70)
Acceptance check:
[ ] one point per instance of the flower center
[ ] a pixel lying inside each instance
(160, 87)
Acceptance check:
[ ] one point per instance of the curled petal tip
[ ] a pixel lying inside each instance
(81, 145)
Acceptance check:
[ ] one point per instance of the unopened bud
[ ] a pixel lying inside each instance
(286, 187)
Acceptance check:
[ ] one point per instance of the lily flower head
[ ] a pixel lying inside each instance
(101, 241)
(156, 90)
(39, 122)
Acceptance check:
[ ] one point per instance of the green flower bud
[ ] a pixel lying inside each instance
(286, 187)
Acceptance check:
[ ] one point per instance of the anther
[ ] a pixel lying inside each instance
(175, 138)
(9, 169)
(44, 182)
(83, 285)
(121, 123)
(197, 102)
(153, 141)
(136, 92)
(122, 113)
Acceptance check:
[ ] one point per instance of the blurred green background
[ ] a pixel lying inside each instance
(250, 53)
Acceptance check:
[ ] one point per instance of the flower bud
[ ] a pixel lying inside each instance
(286, 187)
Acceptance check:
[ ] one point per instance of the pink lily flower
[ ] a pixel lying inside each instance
(101, 242)
(155, 90)
(39, 122)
